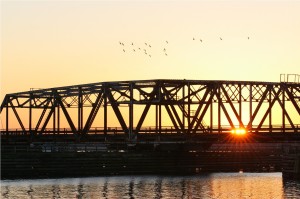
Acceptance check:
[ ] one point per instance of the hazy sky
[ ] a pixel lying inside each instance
(60, 43)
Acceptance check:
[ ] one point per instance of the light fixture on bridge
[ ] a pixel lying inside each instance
(239, 131)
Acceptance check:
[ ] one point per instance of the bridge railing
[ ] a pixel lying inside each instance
(149, 130)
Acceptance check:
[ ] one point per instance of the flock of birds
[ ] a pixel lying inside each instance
(145, 49)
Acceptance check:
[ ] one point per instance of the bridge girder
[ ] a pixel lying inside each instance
(190, 106)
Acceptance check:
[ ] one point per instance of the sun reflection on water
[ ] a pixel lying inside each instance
(215, 185)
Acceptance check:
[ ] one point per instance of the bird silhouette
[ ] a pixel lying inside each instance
(193, 38)
(201, 40)
(124, 50)
(150, 46)
(164, 49)
(248, 37)
(166, 54)
(132, 44)
(221, 38)
(167, 42)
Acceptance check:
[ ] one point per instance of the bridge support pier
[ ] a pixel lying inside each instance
(291, 162)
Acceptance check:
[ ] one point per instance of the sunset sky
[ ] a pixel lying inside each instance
(59, 43)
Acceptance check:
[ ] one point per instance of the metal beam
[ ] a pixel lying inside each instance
(116, 109)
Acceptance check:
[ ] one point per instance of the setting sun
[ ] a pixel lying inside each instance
(239, 131)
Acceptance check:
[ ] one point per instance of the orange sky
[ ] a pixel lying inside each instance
(60, 43)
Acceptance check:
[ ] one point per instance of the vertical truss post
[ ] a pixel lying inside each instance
(80, 110)
(30, 115)
(54, 115)
(219, 108)
(211, 115)
(105, 109)
(58, 117)
(189, 108)
(156, 118)
(283, 109)
(240, 106)
(183, 110)
(159, 117)
(250, 107)
(131, 113)
(7, 118)
(270, 113)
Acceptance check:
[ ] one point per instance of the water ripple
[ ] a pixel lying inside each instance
(209, 186)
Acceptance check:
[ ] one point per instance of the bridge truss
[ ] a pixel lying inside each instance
(154, 106)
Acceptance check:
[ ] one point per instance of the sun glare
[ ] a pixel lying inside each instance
(239, 131)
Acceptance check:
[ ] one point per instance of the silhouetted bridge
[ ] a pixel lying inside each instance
(194, 119)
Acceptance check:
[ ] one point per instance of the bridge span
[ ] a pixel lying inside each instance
(153, 106)
(150, 127)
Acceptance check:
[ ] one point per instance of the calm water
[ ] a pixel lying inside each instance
(216, 185)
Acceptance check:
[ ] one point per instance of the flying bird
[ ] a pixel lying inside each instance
(167, 42)
(248, 37)
(193, 38)
(124, 50)
(201, 40)
(221, 38)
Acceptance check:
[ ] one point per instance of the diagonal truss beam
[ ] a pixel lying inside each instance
(17, 116)
(143, 116)
(224, 109)
(70, 122)
(47, 119)
(291, 96)
(42, 116)
(173, 110)
(264, 95)
(213, 92)
(93, 113)
(202, 102)
(238, 117)
(114, 105)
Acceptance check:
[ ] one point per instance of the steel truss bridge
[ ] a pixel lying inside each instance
(133, 109)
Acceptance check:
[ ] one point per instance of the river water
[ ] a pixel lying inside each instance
(214, 185)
